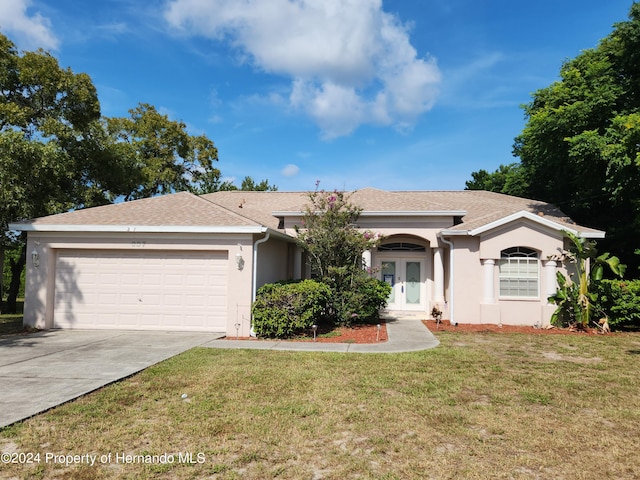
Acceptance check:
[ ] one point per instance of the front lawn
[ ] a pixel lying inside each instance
(10, 324)
(479, 406)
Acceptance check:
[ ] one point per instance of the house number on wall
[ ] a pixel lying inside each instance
(138, 244)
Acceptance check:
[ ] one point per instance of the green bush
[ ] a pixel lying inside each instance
(283, 309)
(620, 301)
(361, 303)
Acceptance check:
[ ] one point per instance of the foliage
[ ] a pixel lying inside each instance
(576, 295)
(507, 179)
(48, 120)
(57, 153)
(580, 148)
(361, 302)
(620, 301)
(282, 309)
(248, 184)
(164, 156)
(334, 246)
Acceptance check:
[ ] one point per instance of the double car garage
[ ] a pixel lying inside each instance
(141, 290)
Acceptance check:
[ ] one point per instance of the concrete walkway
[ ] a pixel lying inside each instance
(45, 369)
(406, 334)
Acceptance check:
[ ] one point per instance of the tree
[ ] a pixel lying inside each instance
(162, 156)
(58, 153)
(249, 185)
(46, 114)
(507, 179)
(577, 294)
(580, 148)
(334, 246)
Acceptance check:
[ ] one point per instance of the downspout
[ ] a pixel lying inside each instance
(451, 282)
(254, 279)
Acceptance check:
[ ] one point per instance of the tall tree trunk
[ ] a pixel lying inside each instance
(2, 248)
(16, 271)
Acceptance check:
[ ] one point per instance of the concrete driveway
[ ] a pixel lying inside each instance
(44, 369)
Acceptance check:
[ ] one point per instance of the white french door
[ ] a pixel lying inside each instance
(407, 279)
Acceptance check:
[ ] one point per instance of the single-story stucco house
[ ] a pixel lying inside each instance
(193, 263)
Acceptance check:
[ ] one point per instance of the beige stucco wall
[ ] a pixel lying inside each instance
(272, 261)
(471, 305)
(276, 258)
(39, 288)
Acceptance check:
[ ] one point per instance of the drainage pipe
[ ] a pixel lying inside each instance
(254, 280)
(451, 282)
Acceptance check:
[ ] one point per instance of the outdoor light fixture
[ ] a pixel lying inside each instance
(315, 329)
(35, 258)
(378, 333)
(239, 259)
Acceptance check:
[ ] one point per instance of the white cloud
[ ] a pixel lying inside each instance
(290, 170)
(349, 62)
(31, 31)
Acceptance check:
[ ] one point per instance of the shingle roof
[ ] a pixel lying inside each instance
(254, 209)
(481, 207)
(178, 209)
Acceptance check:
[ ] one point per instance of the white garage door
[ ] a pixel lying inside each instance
(181, 291)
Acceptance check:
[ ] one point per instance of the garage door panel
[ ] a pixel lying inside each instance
(141, 290)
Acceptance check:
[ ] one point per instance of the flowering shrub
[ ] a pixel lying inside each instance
(334, 246)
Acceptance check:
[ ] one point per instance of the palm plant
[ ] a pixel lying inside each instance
(575, 294)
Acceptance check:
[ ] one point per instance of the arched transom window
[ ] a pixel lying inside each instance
(519, 273)
(401, 247)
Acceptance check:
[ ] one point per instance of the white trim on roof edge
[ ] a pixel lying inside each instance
(529, 216)
(28, 227)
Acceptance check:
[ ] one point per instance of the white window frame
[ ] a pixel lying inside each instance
(514, 269)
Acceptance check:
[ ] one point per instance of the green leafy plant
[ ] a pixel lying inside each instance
(283, 309)
(576, 294)
(334, 246)
(621, 300)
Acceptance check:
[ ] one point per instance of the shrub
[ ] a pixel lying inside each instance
(620, 301)
(283, 309)
(334, 245)
(371, 295)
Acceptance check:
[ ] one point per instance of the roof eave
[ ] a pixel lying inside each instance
(389, 213)
(530, 216)
(70, 228)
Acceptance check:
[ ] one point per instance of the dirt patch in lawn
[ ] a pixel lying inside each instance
(445, 326)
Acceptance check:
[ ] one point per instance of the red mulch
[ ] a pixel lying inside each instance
(368, 333)
(355, 334)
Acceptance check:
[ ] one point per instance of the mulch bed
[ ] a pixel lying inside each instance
(355, 334)
(369, 333)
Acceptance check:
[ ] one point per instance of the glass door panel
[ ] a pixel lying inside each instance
(389, 276)
(413, 284)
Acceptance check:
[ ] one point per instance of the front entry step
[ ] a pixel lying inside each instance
(404, 315)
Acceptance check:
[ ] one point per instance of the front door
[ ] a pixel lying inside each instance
(406, 277)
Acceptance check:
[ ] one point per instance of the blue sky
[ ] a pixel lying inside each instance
(397, 95)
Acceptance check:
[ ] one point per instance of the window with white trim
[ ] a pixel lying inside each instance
(519, 273)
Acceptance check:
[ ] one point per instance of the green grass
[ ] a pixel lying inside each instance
(10, 324)
(478, 406)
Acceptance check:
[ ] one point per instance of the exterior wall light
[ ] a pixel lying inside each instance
(239, 261)
(35, 258)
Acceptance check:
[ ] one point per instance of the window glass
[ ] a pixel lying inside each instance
(519, 273)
